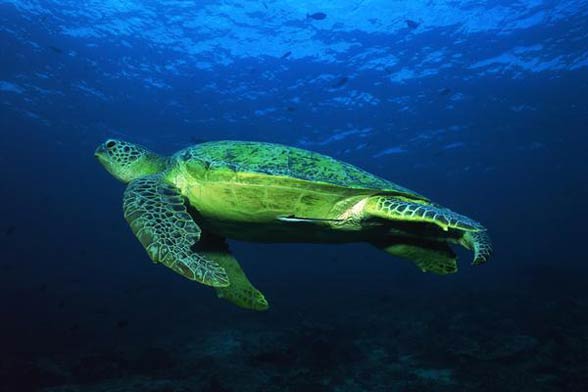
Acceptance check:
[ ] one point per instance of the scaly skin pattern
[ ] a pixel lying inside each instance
(399, 208)
(240, 292)
(273, 193)
(438, 259)
(242, 189)
(480, 243)
(276, 160)
(127, 161)
(158, 217)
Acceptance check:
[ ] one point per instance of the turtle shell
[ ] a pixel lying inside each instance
(285, 161)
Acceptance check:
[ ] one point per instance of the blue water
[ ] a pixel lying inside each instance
(481, 106)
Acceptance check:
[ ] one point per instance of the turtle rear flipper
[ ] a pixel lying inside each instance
(240, 292)
(480, 243)
(429, 256)
(403, 209)
(157, 215)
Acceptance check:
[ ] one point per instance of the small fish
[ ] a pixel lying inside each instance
(291, 108)
(444, 92)
(316, 16)
(411, 24)
(9, 230)
(264, 4)
(55, 49)
(341, 82)
(286, 55)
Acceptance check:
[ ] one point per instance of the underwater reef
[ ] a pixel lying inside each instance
(516, 339)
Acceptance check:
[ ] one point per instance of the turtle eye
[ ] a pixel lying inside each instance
(110, 144)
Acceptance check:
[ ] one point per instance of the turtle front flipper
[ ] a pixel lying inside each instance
(240, 292)
(157, 215)
(403, 209)
(480, 243)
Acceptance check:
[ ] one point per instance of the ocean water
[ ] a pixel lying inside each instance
(481, 106)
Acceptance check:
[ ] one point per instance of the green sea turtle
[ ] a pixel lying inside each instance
(182, 208)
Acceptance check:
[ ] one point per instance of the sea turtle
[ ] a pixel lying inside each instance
(182, 208)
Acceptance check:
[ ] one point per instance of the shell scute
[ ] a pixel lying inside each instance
(280, 160)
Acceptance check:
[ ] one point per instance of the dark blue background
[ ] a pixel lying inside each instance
(481, 108)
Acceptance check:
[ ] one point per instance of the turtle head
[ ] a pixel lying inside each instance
(127, 161)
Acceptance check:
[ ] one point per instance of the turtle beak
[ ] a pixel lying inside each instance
(99, 151)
